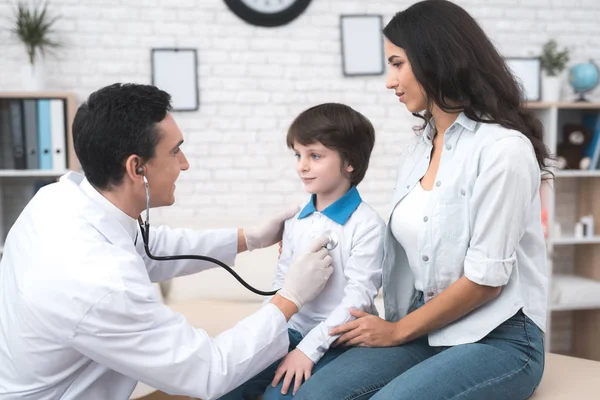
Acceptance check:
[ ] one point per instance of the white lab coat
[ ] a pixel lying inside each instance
(80, 318)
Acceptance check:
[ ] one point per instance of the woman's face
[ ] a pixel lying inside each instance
(402, 80)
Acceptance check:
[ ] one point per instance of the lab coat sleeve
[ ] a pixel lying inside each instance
(131, 332)
(164, 241)
(363, 275)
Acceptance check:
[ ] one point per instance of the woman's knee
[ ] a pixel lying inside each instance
(274, 393)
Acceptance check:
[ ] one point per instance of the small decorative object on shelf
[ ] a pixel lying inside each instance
(584, 78)
(33, 26)
(578, 233)
(572, 151)
(587, 223)
(553, 63)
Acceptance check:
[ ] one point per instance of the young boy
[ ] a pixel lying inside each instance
(332, 144)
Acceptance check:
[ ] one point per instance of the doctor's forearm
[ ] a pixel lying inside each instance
(287, 307)
(241, 246)
(459, 299)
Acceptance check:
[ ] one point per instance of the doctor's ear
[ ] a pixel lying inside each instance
(134, 167)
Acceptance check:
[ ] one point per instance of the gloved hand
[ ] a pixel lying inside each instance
(270, 231)
(308, 274)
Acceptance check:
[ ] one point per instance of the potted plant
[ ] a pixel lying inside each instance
(33, 26)
(553, 62)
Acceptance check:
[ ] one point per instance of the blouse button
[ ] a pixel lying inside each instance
(438, 183)
(430, 294)
(425, 258)
(448, 146)
(425, 219)
(462, 191)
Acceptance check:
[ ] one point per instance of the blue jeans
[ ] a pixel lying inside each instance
(261, 383)
(506, 364)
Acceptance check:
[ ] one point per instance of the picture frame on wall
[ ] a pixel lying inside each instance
(175, 71)
(362, 44)
(528, 71)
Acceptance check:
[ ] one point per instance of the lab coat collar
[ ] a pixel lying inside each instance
(340, 211)
(110, 212)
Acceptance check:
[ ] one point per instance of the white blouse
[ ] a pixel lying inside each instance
(407, 224)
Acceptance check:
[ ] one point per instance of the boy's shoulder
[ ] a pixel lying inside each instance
(367, 215)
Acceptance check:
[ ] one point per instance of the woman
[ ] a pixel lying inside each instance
(465, 266)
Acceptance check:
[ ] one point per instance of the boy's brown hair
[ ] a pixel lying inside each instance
(340, 128)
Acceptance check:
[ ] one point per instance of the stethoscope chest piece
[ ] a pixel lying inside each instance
(333, 240)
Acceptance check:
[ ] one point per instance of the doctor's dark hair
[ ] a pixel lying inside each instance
(340, 128)
(115, 122)
(460, 69)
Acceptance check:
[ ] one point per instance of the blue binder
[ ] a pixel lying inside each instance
(44, 134)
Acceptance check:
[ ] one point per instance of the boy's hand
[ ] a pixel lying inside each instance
(297, 364)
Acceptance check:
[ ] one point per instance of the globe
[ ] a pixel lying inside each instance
(583, 78)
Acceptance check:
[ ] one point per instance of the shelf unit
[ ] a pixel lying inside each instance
(574, 263)
(9, 176)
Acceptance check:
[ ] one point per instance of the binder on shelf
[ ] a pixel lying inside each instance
(17, 134)
(44, 134)
(58, 133)
(592, 122)
(6, 154)
(31, 132)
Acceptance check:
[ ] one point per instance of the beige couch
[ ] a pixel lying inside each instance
(214, 301)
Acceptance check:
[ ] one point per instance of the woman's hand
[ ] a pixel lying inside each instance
(366, 331)
(297, 364)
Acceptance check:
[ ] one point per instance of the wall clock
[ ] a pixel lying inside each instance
(267, 12)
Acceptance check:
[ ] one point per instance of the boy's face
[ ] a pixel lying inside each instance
(322, 170)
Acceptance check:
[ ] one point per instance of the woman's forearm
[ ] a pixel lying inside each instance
(460, 298)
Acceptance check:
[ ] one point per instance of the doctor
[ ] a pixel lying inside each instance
(79, 316)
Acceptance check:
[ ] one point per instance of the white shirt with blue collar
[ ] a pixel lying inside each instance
(356, 261)
(482, 220)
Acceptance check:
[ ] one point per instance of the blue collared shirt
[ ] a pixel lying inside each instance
(483, 222)
(356, 261)
(340, 211)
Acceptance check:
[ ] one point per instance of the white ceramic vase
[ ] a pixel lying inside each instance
(33, 77)
(551, 88)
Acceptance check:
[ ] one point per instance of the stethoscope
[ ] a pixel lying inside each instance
(145, 229)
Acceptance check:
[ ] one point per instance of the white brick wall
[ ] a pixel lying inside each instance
(254, 81)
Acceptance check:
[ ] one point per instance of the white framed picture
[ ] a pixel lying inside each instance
(528, 71)
(362, 45)
(175, 72)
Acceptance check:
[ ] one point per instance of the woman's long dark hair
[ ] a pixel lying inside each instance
(461, 70)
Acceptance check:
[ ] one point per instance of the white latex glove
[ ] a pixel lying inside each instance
(270, 231)
(308, 274)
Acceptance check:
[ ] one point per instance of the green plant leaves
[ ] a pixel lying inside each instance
(552, 60)
(34, 28)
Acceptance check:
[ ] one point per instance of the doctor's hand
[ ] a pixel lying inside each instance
(365, 331)
(295, 364)
(308, 274)
(270, 231)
